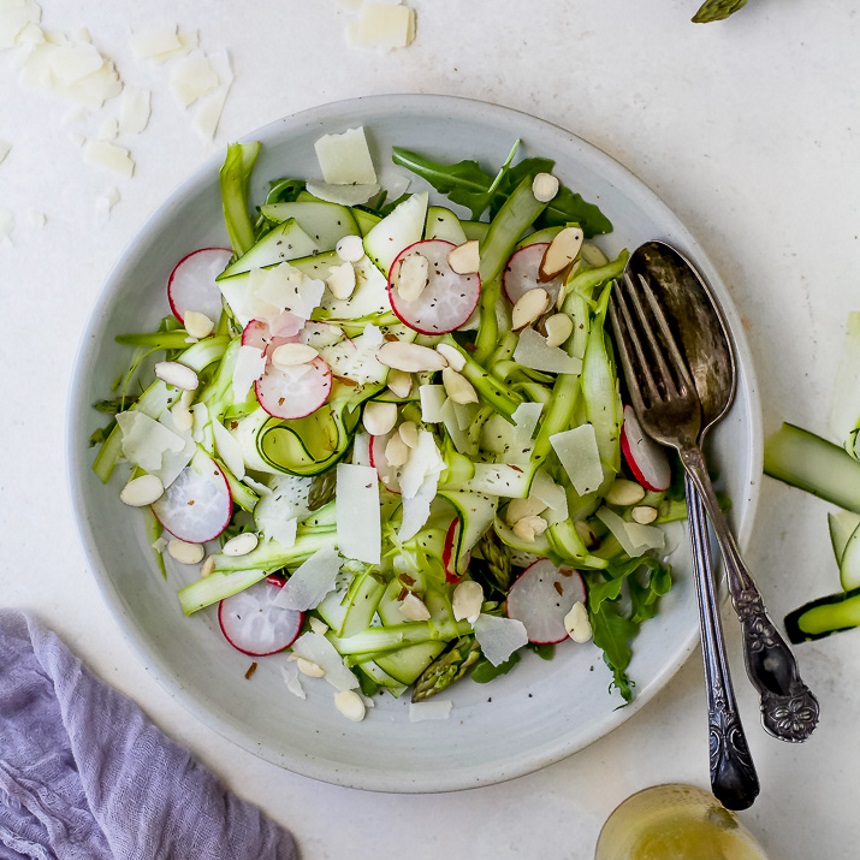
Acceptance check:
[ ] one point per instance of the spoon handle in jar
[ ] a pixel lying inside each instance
(734, 781)
(789, 710)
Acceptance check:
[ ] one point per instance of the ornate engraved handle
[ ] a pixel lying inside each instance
(789, 710)
(733, 777)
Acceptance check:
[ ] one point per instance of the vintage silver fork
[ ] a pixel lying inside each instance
(667, 405)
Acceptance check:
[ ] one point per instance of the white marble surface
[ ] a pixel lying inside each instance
(749, 129)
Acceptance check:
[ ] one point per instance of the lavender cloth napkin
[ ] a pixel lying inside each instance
(84, 774)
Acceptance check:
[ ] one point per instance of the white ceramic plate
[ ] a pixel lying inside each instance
(540, 712)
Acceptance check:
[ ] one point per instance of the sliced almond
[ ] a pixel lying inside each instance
(241, 544)
(208, 566)
(465, 259)
(544, 187)
(142, 491)
(408, 431)
(351, 705)
(396, 451)
(467, 600)
(529, 307)
(561, 253)
(379, 418)
(519, 508)
(350, 248)
(412, 276)
(624, 493)
(198, 325)
(410, 357)
(177, 375)
(577, 624)
(537, 524)
(452, 355)
(413, 608)
(400, 383)
(309, 668)
(293, 355)
(644, 514)
(559, 328)
(457, 387)
(523, 530)
(341, 281)
(185, 553)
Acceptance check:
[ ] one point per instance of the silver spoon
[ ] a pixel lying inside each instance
(789, 710)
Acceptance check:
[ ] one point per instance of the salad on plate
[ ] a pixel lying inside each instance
(386, 433)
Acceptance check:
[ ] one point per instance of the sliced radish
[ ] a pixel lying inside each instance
(191, 285)
(541, 596)
(252, 624)
(447, 300)
(647, 460)
(521, 274)
(388, 474)
(258, 334)
(197, 506)
(294, 392)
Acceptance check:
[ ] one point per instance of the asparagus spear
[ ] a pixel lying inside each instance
(498, 559)
(448, 667)
(322, 489)
(716, 10)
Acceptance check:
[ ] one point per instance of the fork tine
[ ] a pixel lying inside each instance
(628, 333)
(622, 342)
(679, 362)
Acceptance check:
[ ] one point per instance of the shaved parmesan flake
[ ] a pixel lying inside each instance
(359, 530)
(250, 364)
(434, 709)
(15, 16)
(499, 637)
(109, 129)
(290, 673)
(316, 648)
(173, 462)
(163, 45)
(104, 203)
(343, 195)
(424, 461)
(361, 449)
(145, 441)
(551, 494)
(533, 351)
(577, 450)
(192, 78)
(229, 450)
(209, 113)
(432, 398)
(5, 149)
(109, 155)
(416, 509)
(311, 581)
(526, 417)
(135, 108)
(345, 159)
(635, 539)
(383, 26)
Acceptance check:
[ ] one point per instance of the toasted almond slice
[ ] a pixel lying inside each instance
(351, 705)
(176, 374)
(309, 668)
(523, 530)
(467, 600)
(396, 451)
(142, 491)
(537, 524)
(559, 328)
(408, 431)
(457, 387)
(241, 544)
(453, 356)
(465, 259)
(644, 514)
(577, 624)
(529, 307)
(350, 248)
(379, 418)
(413, 276)
(520, 508)
(561, 253)
(410, 357)
(185, 553)
(400, 382)
(413, 608)
(341, 280)
(208, 566)
(198, 325)
(293, 354)
(624, 493)
(545, 187)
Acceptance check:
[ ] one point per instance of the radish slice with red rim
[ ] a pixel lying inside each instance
(198, 505)
(191, 285)
(447, 300)
(388, 474)
(258, 334)
(294, 392)
(521, 274)
(541, 596)
(252, 624)
(647, 460)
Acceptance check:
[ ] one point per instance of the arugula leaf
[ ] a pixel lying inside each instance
(485, 671)
(466, 184)
(285, 190)
(614, 625)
